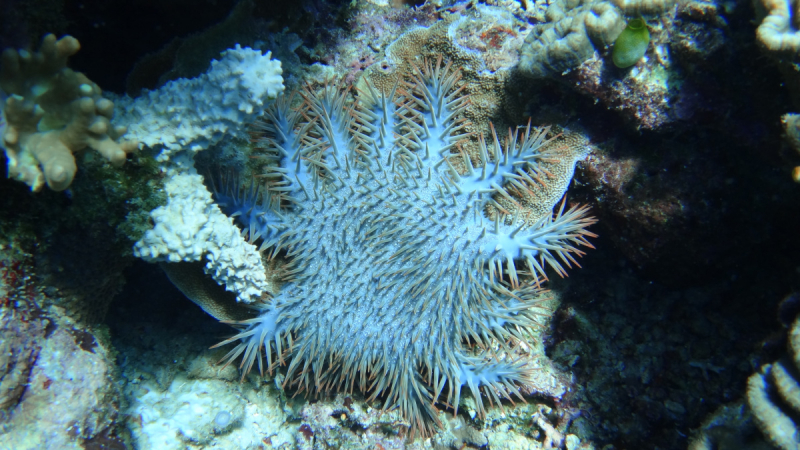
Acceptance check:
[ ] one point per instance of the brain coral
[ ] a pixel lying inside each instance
(398, 283)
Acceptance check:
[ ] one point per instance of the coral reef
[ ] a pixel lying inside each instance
(483, 42)
(193, 114)
(773, 395)
(167, 370)
(642, 93)
(658, 188)
(19, 345)
(373, 30)
(52, 112)
(55, 375)
(778, 32)
(766, 418)
(401, 245)
(645, 361)
(172, 387)
(361, 256)
(190, 227)
(236, 89)
(646, 192)
(575, 29)
(665, 195)
(731, 426)
(652, 93)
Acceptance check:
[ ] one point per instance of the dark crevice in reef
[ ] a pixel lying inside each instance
(149, 297)
(153, 319)
(117, 34)
(654, 359)
(678, 303)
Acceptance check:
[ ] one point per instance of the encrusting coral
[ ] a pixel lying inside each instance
(52, 113)
(413, 268)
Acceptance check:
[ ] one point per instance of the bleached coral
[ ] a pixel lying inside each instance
(191, 226)
(193, 114)
(53, 112)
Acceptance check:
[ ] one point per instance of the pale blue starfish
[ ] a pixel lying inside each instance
(402, 248)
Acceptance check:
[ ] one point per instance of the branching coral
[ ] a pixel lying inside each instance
(53, 112)
(194, 114)
(413, 267)
(186, 116)
(190, 227)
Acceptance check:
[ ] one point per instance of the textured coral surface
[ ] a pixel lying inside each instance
(52, 113)
(56, 378)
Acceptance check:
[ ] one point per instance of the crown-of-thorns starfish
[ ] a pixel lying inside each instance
(413, 263)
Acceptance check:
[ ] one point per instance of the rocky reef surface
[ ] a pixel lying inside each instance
(148, 177)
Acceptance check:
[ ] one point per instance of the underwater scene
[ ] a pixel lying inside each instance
(400, 224)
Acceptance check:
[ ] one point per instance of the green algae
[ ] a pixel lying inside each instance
(631, 44)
